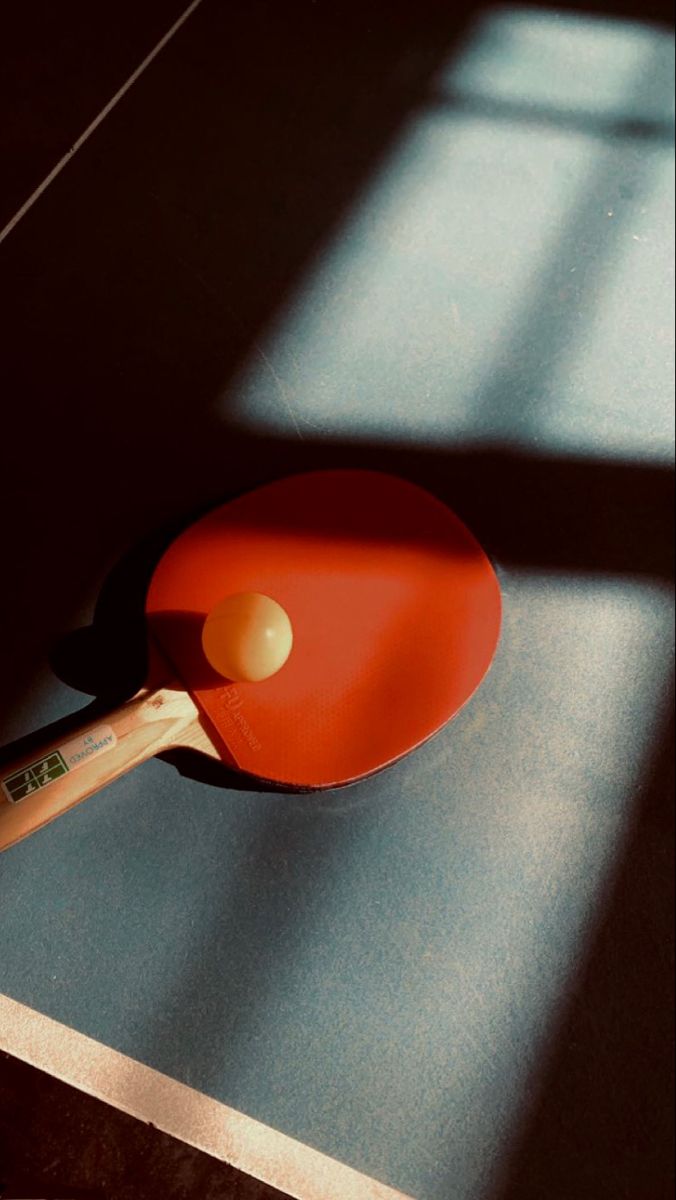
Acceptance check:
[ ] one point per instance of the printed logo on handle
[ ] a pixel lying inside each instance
(58, 762)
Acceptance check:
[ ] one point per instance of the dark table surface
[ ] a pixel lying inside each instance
(313, 236)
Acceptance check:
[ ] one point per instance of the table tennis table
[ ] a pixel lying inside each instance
(435, 244)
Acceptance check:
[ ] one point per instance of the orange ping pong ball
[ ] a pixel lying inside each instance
(247, 637)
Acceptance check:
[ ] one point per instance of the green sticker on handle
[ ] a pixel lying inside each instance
(39, 774)
(23, 783)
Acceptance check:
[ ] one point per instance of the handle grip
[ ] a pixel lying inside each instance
(35, 788)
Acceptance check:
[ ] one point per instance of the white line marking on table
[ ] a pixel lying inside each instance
(97, 120)
(256, 1149)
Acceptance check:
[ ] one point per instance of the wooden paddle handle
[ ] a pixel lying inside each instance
(37, 787)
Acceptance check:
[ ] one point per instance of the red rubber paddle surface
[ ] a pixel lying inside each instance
(395, 611)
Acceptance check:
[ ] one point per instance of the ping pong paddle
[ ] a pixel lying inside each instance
(391, 610)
